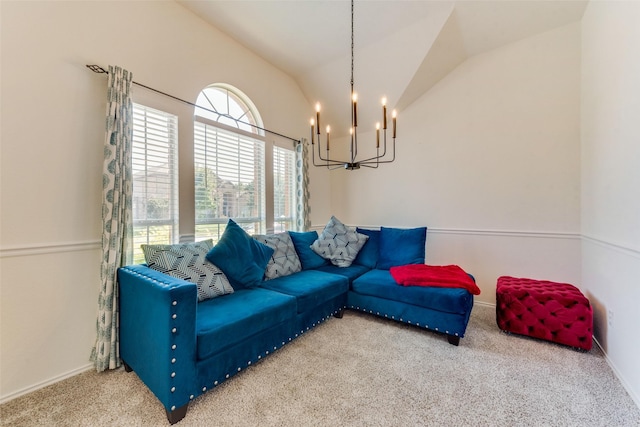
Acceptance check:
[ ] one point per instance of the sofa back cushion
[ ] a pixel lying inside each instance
(285, 260)
(401, 246)
(242, 258)
(368, 255)
(302, 242)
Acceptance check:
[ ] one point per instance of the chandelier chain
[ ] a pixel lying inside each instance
(352, 47)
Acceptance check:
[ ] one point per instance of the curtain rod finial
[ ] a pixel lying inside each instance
(97, 69)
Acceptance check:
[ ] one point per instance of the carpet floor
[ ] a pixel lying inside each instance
(365, 371)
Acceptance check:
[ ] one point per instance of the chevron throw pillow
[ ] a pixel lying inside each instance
(338, 243)
(187, 262)
(285, 260)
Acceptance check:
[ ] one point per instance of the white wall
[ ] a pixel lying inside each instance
(53, 112)
(489, 159)
(611, 180)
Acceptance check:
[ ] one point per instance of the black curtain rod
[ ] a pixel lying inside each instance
(98, 69)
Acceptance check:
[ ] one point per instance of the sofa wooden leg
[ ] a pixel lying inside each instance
(339, 314)
(453, 340)
(127, 368)
(177, 414)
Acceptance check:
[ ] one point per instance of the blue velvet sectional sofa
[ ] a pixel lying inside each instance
(181, 346)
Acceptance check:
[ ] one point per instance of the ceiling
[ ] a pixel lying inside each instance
(402, 48)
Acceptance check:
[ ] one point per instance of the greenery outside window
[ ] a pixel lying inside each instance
(229, 161)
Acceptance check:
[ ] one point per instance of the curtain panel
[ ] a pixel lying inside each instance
(303, 220)
(117, 222)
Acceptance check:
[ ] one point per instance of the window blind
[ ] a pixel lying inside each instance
(155, 178)
(229, 181)
(283, 189)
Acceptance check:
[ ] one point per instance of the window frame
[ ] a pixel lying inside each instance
(152, 150)
(221, 222)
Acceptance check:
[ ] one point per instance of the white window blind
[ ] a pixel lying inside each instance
(155, 178)
(283, 189)
(229, 181)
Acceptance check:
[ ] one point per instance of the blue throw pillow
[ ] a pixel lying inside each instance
(368, 255)
(242, 258)
(302, 242)
(401, 246)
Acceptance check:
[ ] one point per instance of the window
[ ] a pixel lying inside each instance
(283, 189)
(155, 181)
(229, 181)
(229, 157)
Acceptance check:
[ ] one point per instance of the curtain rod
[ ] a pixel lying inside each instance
(98, 69)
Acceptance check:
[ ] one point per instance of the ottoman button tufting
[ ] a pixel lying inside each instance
(551, 311)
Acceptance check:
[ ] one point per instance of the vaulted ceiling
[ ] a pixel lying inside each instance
(402, 48)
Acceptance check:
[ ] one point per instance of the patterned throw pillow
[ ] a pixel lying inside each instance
(187, 262)
(284, 260)
(338, 243)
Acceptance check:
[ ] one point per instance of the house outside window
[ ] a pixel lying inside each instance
(155, 178)
(229, 162)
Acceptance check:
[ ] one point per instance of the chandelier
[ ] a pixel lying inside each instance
(353, 163)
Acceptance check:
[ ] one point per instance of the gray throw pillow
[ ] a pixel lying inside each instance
(187, 262)
(338, 243)
(285, 260)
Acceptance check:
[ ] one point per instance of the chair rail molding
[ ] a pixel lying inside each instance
(49, 248)
(618, 247)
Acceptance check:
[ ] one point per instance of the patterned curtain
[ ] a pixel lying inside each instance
(303, 220)
(116, 215)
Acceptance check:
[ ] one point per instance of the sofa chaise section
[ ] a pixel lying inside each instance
(444, 310)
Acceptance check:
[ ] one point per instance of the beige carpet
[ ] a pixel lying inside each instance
(364, 371)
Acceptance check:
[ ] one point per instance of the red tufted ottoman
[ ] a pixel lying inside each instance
(556, 312)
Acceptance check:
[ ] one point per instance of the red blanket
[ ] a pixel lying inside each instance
(443, 276)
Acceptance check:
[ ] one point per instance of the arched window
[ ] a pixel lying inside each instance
(225, 104)
(229, 157)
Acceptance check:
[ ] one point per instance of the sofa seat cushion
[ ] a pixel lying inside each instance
(225, 321)
(352, 272)
(310, 287)
(380, 283)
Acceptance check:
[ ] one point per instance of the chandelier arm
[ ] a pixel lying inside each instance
(328, 162)
(329, 165)
(378, 158)
(384, 152)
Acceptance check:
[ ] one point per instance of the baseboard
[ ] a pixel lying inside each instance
(43, 384)
(616, 372)
(485, 304)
